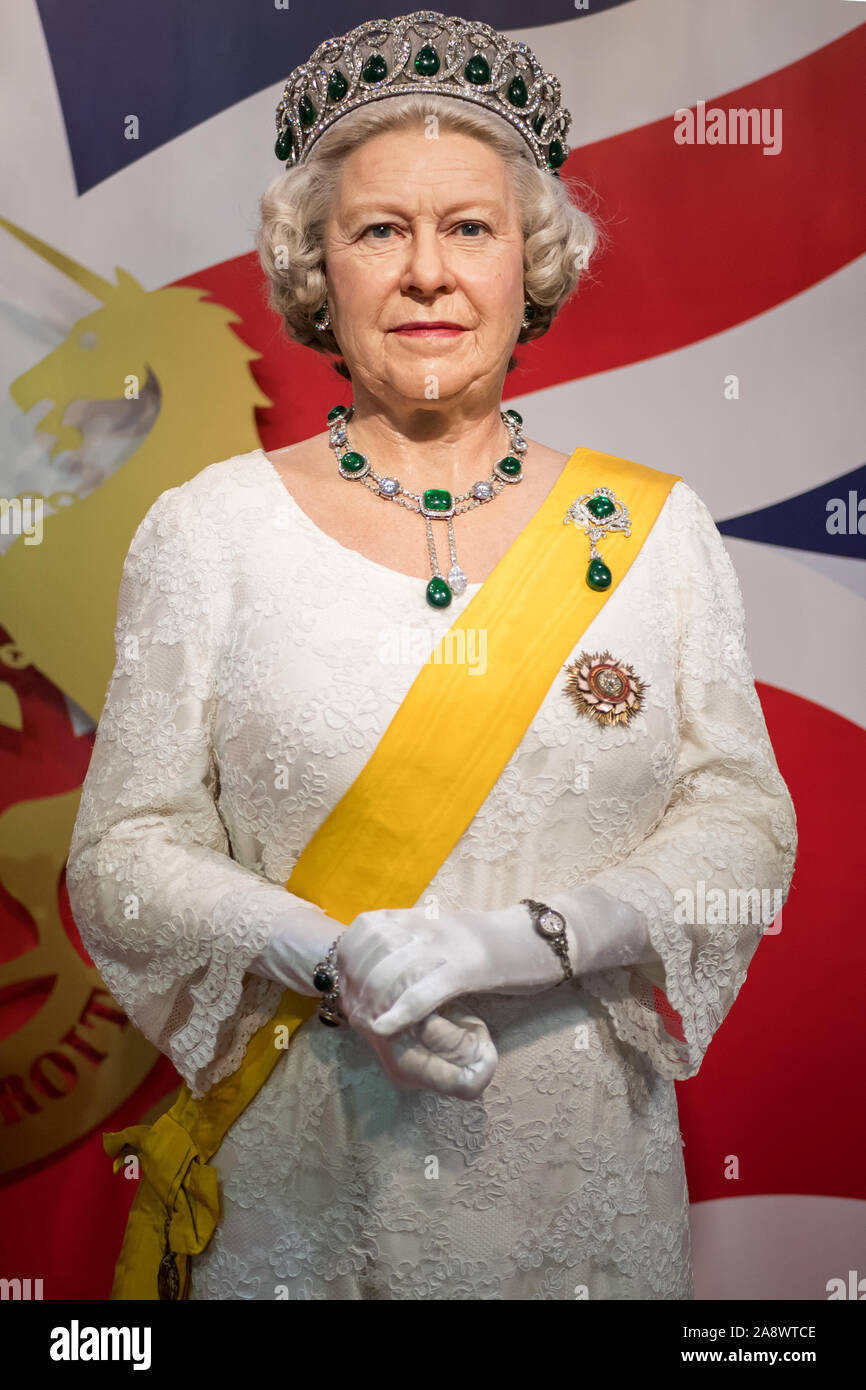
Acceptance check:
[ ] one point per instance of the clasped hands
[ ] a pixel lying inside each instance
(398, 967)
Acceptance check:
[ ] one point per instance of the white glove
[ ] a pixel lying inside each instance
(453, 1056)
(299, 941)
(397, 965)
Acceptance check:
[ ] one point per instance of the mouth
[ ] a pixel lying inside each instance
(438, 328)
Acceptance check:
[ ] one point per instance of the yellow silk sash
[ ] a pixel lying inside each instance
(392, 830)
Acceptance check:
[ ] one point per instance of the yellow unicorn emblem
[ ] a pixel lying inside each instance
(75, 1060)
(60, 597)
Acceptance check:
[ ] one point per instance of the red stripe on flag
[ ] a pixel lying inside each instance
(706, 236)
(781, 1085)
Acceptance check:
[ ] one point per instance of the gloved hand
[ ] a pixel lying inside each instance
(453, 1056)
(397, 965)
(300, 939)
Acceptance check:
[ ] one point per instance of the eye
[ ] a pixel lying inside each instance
(477, 225)
(378, 227)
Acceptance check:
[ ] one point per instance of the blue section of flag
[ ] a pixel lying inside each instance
(175, 65)
(830, 519)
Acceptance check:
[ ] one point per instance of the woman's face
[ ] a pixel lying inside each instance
(425, 230)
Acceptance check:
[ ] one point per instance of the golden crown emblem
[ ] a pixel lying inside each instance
(423, 52)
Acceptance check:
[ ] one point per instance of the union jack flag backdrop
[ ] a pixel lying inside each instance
(717, 338)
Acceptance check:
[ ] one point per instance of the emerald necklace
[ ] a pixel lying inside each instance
(434, 502)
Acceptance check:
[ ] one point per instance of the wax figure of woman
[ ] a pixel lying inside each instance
(479, 1102)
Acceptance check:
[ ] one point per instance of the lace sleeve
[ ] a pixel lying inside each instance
(169, 918)
(718, 867)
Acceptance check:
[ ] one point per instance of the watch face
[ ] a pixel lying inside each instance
(551, 923)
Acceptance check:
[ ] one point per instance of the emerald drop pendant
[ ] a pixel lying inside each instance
(374, 69)
(427, 61)
(596, 513)
(598, 576)
(517, 91)
(477, 70)
(438, 592)
(555, 155)
(337, 86)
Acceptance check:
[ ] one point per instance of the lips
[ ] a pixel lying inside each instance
(423, 326)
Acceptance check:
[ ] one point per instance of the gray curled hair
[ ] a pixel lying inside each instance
(560, 235)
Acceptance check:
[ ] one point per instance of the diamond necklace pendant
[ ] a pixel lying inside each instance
(456, 576)
(435, 503)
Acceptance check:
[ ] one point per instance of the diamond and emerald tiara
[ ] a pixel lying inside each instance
(430, 53)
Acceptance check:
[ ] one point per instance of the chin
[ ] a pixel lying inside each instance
(416, 384)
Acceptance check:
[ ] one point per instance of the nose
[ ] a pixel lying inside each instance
(426, 270)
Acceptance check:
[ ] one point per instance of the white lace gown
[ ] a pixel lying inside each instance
(259, 663)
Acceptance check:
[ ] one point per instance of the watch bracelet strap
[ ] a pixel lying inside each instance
(559, 944)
